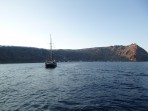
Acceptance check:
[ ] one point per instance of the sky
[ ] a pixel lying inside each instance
(73, 24)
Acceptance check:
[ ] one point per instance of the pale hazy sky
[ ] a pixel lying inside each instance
(73, 24)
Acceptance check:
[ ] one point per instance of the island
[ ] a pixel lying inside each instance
(16, 54)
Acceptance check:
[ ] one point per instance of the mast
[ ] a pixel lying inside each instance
(50, 48)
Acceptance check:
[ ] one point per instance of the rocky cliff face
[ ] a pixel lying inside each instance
(113, 53)
(131, 52)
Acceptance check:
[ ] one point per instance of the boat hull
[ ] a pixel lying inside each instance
(51, 65)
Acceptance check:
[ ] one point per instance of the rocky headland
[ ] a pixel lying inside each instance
(133, 52)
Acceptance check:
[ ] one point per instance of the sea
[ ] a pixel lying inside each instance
(74, 86)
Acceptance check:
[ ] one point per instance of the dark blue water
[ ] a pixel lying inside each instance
(79, 86)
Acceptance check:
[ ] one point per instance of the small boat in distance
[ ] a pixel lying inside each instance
(50, 62)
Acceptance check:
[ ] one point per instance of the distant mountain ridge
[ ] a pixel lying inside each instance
(133, 52)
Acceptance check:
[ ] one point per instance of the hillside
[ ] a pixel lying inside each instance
(133, 52)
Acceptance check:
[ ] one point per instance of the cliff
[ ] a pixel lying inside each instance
(133, 52)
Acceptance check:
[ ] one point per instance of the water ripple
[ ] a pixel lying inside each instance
(75, 86)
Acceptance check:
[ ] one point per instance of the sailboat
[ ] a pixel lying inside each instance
(50, 62)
